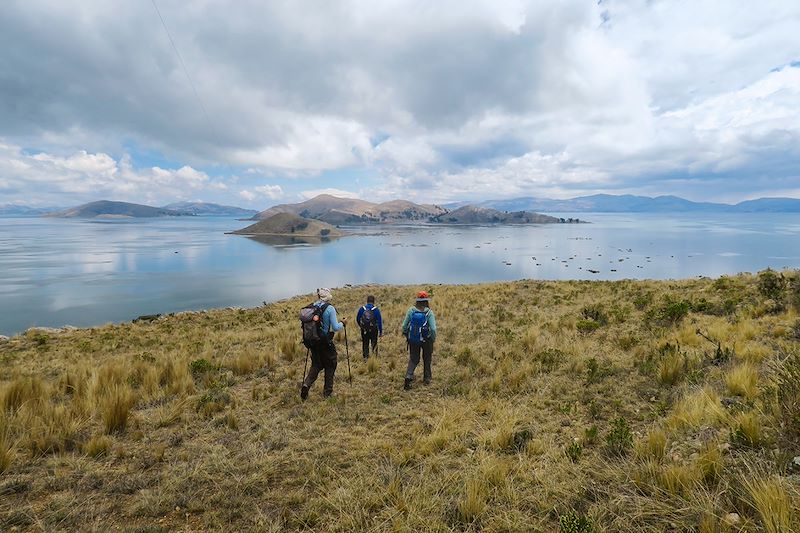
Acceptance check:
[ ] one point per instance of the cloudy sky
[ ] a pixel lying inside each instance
(260, 102)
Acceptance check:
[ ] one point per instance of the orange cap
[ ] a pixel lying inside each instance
(422, 295)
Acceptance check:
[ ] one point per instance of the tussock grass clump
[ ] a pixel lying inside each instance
(653, 446)
(770, 496)
(699, 407)
(710, 462)
(743, 381)
(244, 364)
(24, 391)
(787, 385)
(373, 365)
(6, 449)
(115, 409)
(747, 429)
(472, 505)
(97, 446)
(671, 368)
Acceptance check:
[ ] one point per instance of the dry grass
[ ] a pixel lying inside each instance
(743, 381)
(194, 422)
(771, 497)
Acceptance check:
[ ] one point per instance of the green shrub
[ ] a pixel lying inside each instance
(590, 435)
(572, 523)
(771, 284)
(592, 370)
(201, 366)
(671, 312)
(574, 451)
(586, 326)
(550, 358)
(619, 440)
(794, 290)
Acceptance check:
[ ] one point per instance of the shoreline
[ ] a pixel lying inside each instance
(68, 328)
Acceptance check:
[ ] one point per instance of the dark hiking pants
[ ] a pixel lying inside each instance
(413, 359)
(367, 338)
(323, 357)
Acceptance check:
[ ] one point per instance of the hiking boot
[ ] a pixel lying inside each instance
(407, 384)
(304, 392)
(426, 381)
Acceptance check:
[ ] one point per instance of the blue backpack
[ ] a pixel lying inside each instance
(418, 329)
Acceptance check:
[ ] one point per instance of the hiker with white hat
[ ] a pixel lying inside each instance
(323, 351)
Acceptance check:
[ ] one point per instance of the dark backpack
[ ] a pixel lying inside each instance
(418, 329)
(311, 324)
(369, 320)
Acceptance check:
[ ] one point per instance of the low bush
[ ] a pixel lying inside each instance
(619, 440)
(771, 284)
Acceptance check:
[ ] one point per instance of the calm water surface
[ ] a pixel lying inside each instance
(87, 272)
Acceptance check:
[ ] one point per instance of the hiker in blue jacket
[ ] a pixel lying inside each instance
(371, 322)
(419, 328)
(323, 355)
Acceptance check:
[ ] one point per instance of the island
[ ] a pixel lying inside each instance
(291, 225)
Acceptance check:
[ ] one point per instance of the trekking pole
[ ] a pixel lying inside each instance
(347, 350)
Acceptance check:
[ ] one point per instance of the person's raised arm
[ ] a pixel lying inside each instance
(335, 325)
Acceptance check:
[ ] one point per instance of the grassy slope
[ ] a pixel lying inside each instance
(516, 430)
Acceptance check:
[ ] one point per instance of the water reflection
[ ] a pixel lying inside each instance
(288, 240)
(56, 272)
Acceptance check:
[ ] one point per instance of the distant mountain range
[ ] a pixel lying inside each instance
(609, 203)
(208, 209)
(24, 210)
(109, 209)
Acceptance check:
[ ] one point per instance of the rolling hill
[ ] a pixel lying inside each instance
(335, 210)
(469, 214)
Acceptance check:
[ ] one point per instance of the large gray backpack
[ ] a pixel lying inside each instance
(311, 325)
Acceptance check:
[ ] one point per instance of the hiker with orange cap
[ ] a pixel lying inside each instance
(419, 328)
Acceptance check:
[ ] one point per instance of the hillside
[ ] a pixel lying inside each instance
(335, 210)
(288, 224)
(484, 215)
(579, 406)
(109, 209)
(209, 209)
(610, 203)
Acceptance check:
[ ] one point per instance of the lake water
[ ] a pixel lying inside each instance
(88, 272)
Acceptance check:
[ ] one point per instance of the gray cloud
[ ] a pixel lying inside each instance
(484, 98)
